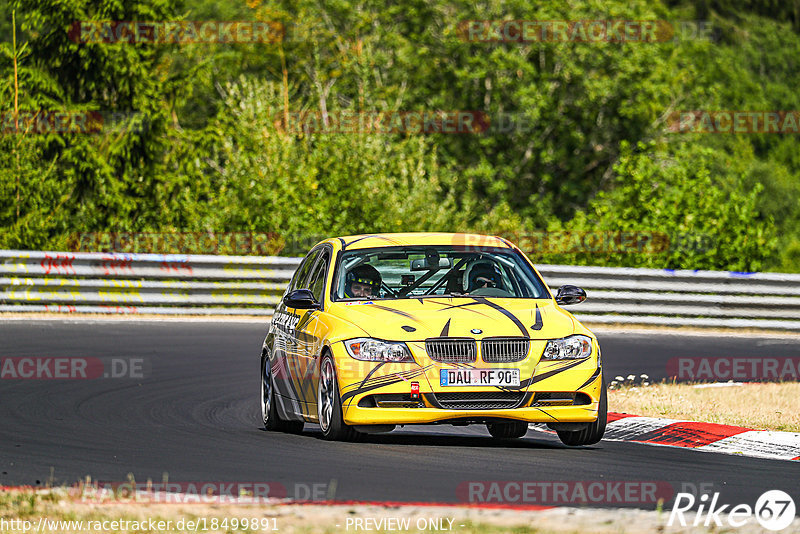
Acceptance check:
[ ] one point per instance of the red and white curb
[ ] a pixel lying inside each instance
(706, 437)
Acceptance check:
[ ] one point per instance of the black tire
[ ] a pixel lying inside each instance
(509, 430)
(269, 410)
(329, 405)
(593, 431)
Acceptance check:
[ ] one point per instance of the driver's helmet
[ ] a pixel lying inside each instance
(363, 275)
(483, 273)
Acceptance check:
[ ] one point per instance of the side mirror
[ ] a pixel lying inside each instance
(570, 295)
(301, 299)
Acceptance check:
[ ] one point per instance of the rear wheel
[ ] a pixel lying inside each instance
(509, 430)
(269, 410)
(329, 405)
(593, 431)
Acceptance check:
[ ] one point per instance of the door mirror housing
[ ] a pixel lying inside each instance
(570, 295)
(301, 299)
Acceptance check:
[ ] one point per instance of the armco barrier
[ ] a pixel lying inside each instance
(250, 285)
(142, 283)
(682, 297)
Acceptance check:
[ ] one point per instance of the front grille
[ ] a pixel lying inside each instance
(504, 349)
(451, 349)
(480, 400)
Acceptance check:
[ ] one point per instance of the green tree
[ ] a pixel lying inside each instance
(319, 185)
(679, 193)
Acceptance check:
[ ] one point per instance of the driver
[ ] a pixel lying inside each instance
(362, 282)
(483, 274)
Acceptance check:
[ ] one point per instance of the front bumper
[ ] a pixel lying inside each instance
(417, 416)
(360, 383)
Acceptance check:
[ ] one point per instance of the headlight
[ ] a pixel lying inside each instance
(568, 348)
(375, 350)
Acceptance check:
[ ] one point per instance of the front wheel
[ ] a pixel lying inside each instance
(593, 431)
(329, 405)
(510, 430)
(269, 410)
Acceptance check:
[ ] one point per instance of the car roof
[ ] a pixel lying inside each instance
(353, 242)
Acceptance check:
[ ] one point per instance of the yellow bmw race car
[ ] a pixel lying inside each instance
(381, 330)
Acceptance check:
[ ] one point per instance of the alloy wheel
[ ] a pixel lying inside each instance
(325, 399)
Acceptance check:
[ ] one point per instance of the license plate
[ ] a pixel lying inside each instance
(479, 377)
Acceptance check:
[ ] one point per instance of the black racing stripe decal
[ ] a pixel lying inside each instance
(358, 391)
(504, 312)
(369, 375)
(448, 306)
(385, 378)
(548, 414)
(446, 329)
(538, 324)
(343, 242)
(432, 401)
(384, 383)
(293, 392)
(413, 373)
(451, 306)
(398, 312)
(504, 240)
(548, 374)
(591, 379)
(526, 400)
(522, 385)
(299, 329)
(367, 237)
(345, 245)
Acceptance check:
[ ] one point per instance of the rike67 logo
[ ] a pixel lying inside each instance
(774, 510)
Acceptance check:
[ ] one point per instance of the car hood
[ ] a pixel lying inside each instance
(477, 317)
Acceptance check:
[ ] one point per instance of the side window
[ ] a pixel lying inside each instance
(301, 275)
(317, 278)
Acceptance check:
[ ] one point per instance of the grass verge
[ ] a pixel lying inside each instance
(771, 406)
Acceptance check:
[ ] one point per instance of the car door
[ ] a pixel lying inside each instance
(288, 383)
(310, 333)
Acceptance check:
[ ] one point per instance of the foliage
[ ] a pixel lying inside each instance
(320, 185)
(577, 143)
(676, 204)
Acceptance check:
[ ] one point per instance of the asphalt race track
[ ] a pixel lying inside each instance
(195, 416)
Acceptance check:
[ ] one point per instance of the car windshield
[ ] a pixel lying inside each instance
(418, 272)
